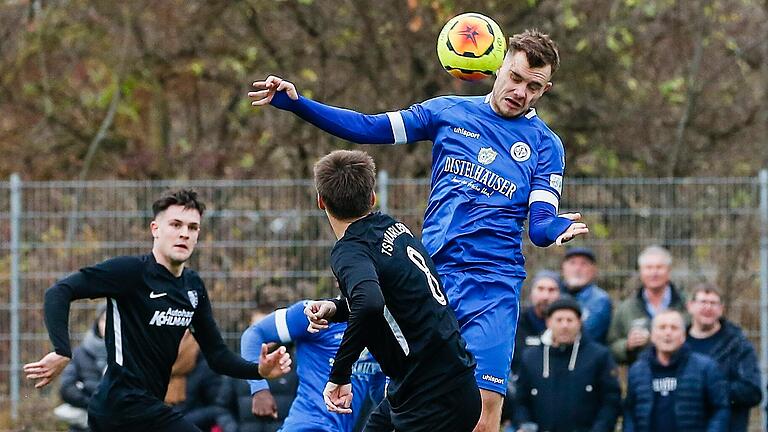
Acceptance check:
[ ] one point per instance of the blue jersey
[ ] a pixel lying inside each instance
(313, 360)
(486, 169)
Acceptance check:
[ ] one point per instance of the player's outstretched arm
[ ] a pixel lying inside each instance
(343, 123)
(221, 359)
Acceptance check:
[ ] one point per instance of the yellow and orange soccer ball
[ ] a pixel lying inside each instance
(471, 46)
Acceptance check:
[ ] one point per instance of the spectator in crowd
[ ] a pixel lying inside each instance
(568, 383)
(579, 269)
(202, 391)
(183, 366)
(629, 331)
(82, 375)
(265, 410)
(235, 397)
(671, 388)
(545, 288)
(723, 341)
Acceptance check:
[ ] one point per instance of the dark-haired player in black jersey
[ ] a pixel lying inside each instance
(395, 306)
(152, 299)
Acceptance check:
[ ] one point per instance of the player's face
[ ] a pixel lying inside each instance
(654, 272)
(706, 309)
(565, 326)
(578, 271)
(175, 231)
(668, 333)
(518, 86)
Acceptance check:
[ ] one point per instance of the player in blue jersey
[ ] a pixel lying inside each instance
(494, 163)
(314, 353)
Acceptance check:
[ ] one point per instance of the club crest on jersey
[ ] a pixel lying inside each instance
(520, 151)
(192, 298)
(486, 155)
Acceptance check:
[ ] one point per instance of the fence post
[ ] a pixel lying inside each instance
(15, 286)
(383, 192)
(764, 286)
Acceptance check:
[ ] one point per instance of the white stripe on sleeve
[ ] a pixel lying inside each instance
(543, 196)
(281, 322)
(398, 127)
(397, 331)
(118, 333)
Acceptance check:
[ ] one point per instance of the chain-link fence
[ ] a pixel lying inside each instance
(264, 241)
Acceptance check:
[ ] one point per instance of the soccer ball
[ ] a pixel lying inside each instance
(471, 46)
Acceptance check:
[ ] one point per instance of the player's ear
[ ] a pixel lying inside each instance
(547, 87)
(373, 199)
(153, 227)
(320, 203)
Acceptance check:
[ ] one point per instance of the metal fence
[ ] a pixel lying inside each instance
(264, 241)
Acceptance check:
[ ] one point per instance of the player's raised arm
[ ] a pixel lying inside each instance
(395, 127)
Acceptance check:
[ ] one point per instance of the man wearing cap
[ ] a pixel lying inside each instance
(579, 269)
(568, 383)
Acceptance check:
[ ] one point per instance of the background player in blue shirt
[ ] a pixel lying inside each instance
(315, 352)
(494, 163)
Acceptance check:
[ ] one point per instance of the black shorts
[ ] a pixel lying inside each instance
(175, 423)
(458, 410)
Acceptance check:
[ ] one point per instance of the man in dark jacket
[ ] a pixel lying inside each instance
(545, 289)
(568, 383)
(723, 341)
(670, 388)
(82, 375)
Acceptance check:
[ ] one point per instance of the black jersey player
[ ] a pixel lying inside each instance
(395, 306)
(152, 299)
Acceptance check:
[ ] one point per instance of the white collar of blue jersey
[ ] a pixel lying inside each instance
(529, 115)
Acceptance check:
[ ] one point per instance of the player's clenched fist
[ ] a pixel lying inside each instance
(338, 398)
(274, 364)
(265, 90)
(318, 313)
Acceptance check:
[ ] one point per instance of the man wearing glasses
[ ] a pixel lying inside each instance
(724, 341)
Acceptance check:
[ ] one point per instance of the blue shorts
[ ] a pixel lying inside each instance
(487, 309)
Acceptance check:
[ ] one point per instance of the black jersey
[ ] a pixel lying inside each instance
(396, 307)
(148, 311)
